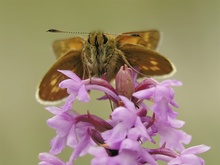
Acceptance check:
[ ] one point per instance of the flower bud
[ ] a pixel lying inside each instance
(124, 82)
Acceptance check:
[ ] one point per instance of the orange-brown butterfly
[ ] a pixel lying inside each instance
(101, 53)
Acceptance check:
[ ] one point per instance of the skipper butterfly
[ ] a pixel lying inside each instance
(101, 53)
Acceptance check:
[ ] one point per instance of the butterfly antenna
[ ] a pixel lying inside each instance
(60, 31)
(112, 33)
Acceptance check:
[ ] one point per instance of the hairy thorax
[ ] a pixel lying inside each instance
(100, 55)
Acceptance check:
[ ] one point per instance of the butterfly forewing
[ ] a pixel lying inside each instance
(61, 47)
(149, 39)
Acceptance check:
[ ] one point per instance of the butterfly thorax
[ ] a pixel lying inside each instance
(99, 51)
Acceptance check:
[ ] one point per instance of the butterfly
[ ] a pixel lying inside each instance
(102, 53)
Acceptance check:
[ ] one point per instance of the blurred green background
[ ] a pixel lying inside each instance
(191, 39)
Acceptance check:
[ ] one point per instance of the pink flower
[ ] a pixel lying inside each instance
(188, 156)
(48, 159)
(118, 140)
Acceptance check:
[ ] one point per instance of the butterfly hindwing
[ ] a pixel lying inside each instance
(147, 60)
(49, 90)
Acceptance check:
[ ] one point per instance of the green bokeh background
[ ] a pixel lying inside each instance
(191, 39)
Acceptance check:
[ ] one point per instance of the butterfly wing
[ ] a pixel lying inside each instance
(149, 62)
(49, 91)
(62, 47)
(147, 39)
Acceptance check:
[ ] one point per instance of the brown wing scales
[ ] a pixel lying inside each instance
(61, 47)
(149, 62)
(147, 39)
(49, 89)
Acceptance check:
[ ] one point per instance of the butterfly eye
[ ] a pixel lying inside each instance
(105, 39)
(89, 40)
(135, 35)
